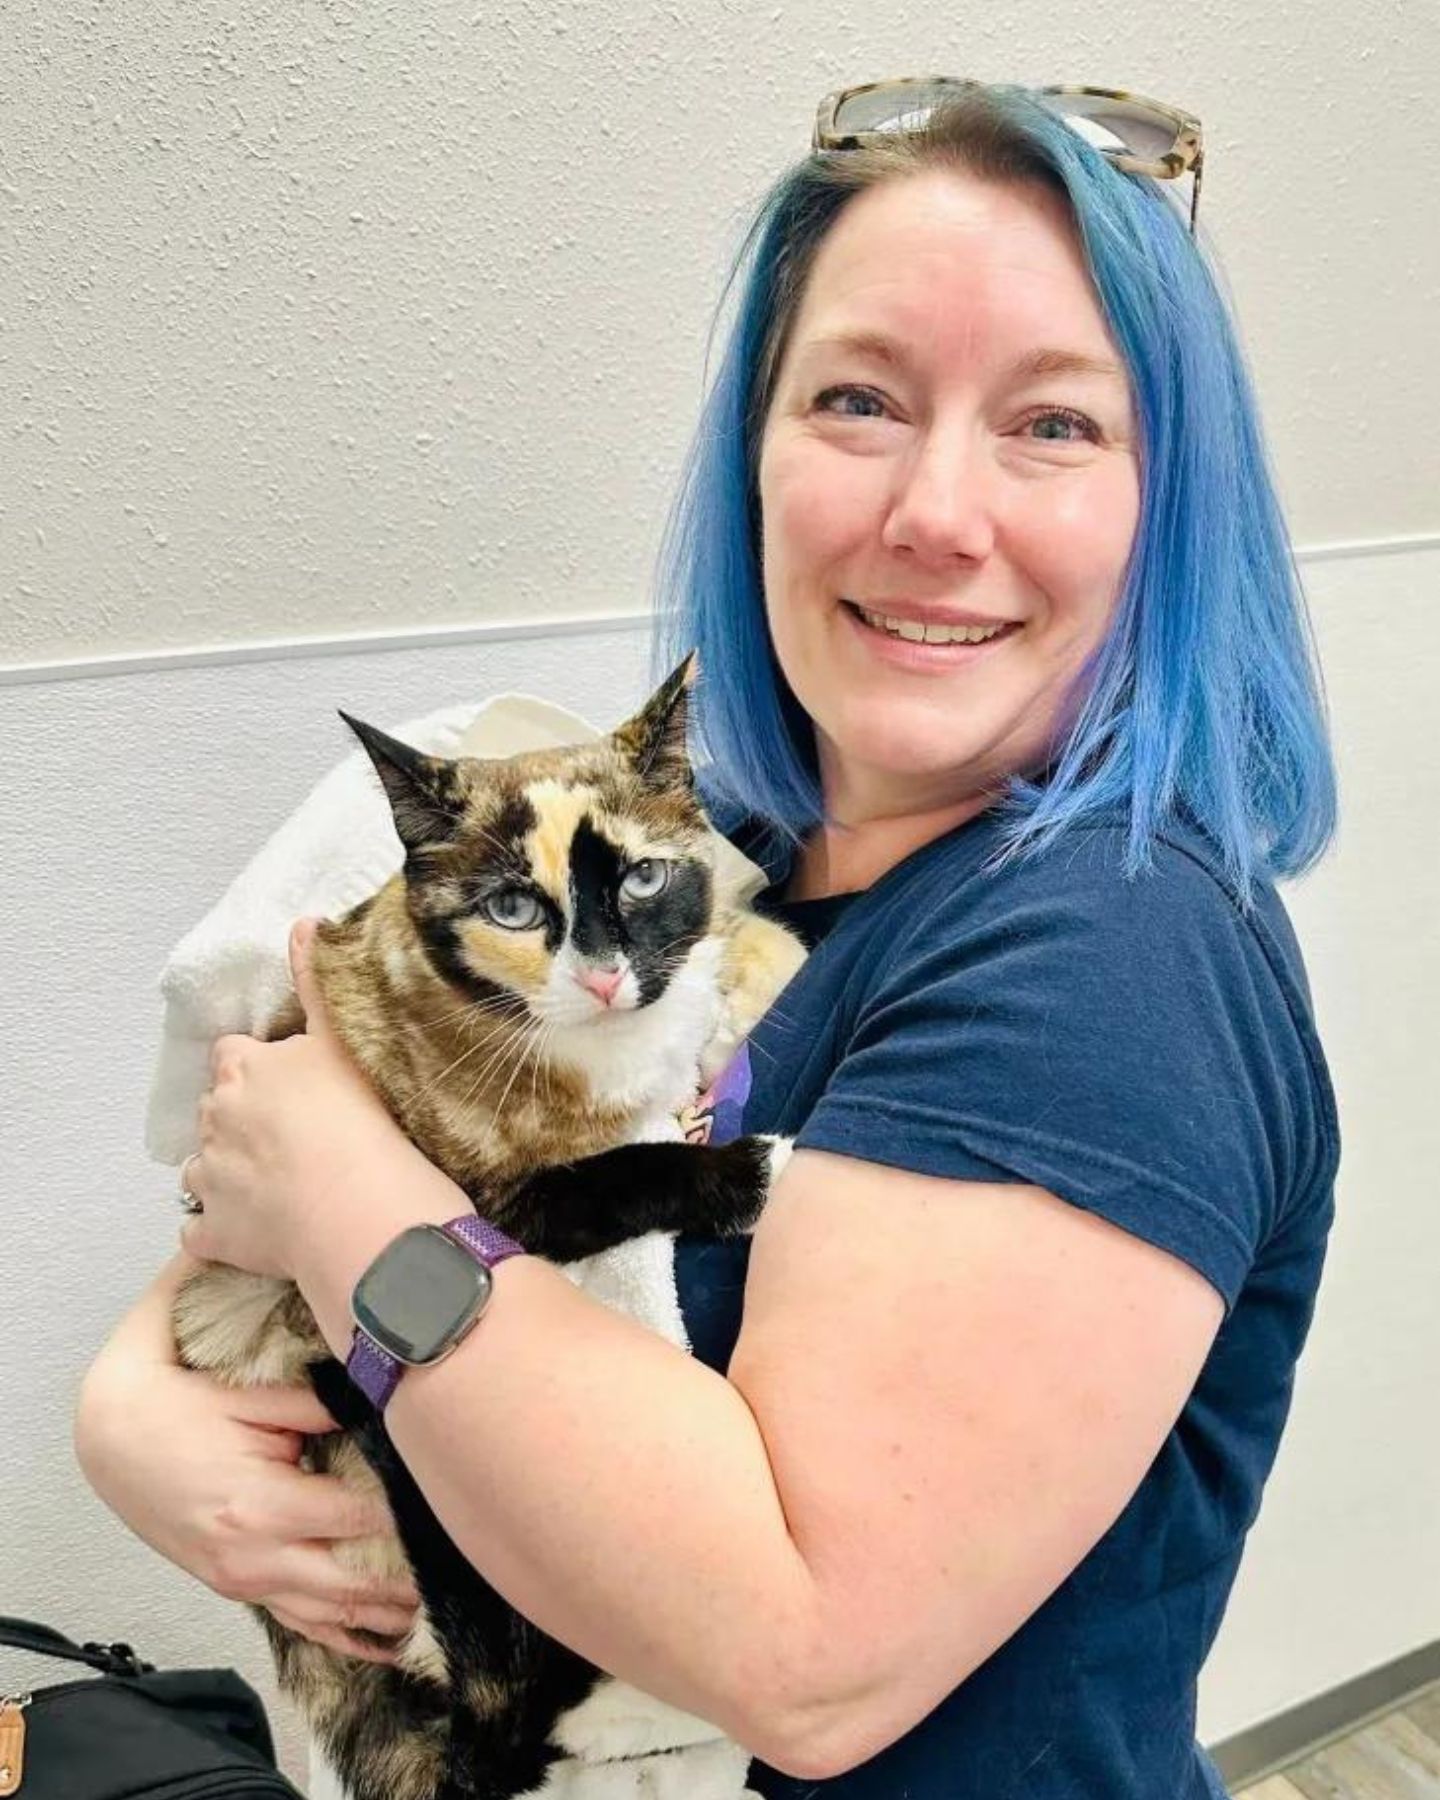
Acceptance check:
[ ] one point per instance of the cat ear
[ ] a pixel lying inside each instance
(423, 797)
(655, 739)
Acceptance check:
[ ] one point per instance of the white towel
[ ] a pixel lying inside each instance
(231, 973)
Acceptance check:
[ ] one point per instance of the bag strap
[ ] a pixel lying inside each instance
(109, 1659)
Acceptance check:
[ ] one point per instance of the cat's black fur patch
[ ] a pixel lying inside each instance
(488, 1758)
(655, 934)
(425, 798)
(596, 869)
(570, 1210)
(512, 823)
(664, 930)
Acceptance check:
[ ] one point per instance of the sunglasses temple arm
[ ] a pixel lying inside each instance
(1195, 190)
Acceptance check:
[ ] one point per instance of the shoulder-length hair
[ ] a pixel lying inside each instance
(1203, 698)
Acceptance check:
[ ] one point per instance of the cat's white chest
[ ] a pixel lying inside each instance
(624, 1745)
(647, 1061)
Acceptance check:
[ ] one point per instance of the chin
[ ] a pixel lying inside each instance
(905, 747)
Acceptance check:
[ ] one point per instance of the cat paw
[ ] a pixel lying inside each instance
(781, 1150)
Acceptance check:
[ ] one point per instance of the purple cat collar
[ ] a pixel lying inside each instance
(420, 1297)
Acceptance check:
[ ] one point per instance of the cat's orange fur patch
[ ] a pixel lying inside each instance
(559, 809)
(519, 959)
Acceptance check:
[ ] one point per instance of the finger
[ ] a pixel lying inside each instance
(314, 1570)
(195, 1238)
(282, 1409)
(302, 971)
(357, 1615)
(225, 1054)
(324, 1506)
(332, 1637)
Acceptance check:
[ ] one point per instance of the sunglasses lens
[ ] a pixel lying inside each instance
(892, 107)
(1117, 126)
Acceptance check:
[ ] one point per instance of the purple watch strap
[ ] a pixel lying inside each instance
(375, 1371)
(487, 1243)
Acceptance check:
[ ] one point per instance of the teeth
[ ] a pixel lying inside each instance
(915, 633)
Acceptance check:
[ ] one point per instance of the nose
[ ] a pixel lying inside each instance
(942, 507)
(601, 982)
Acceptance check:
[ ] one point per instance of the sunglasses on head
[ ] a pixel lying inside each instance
(1143, 137)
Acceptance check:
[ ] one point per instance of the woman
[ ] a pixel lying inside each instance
(1000, 633)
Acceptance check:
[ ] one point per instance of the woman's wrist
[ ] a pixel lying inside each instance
(337, 1240)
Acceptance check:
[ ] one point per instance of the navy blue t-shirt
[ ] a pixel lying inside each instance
(1145, 1050)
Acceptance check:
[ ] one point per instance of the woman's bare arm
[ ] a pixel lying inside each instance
(942, 1396)
(208, 1476)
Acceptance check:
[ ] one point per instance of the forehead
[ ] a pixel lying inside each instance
(529, 826)
(957, 270)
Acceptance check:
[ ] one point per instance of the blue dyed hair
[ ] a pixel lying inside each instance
(1203, 699)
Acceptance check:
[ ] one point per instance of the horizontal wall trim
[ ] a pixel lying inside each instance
(1275, 1743)
(354, 643)
(141, 662)
(1401, 544)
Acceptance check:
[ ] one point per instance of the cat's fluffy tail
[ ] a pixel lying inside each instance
(386, 1734)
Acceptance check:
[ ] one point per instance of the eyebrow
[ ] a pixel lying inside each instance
(1034, 365)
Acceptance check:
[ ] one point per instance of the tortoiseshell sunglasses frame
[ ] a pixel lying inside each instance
(1186, 153)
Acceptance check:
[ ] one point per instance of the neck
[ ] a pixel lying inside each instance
(841, 857)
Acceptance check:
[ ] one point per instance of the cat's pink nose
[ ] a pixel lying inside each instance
(601, 982)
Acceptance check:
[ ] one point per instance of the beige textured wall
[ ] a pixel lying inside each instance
(320, 317)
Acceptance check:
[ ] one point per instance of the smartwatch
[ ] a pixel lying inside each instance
(420, 1297)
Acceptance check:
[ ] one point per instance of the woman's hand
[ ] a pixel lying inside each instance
(209, 1477)
(287, 1130)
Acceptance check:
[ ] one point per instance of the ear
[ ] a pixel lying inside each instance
(655, 739)
(423, 797)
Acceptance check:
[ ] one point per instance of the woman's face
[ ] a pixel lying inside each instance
(951, 444)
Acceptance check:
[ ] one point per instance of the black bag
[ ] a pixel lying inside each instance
(135, 1733)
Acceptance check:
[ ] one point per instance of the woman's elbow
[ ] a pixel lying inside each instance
(90, 1420)
(825, 1728)
(815, 1748)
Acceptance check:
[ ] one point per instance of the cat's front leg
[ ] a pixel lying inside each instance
(572, 1210)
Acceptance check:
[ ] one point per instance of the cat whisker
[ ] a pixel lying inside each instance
(542, 1060)
(499, 1030)
(504, 1005)
(500, 1104)
(496, 1061)
(516, 1046)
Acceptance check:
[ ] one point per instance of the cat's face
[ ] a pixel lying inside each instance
(576, 882)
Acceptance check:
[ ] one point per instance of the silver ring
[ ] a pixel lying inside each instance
(189, 1202)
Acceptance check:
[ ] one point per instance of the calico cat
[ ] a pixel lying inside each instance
(547, 982)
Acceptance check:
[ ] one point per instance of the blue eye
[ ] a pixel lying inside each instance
(513, 909)
(1073, 427)
(863, 397)
(645, 879)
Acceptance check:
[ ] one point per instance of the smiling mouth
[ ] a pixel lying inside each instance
(914, 631)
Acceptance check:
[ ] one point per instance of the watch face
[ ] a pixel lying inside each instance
(421, 1295)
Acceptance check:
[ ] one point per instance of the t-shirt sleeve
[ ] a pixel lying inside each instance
(1123, 1043)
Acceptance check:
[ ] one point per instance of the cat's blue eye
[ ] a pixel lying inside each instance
(514, 909)
(645, 879)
